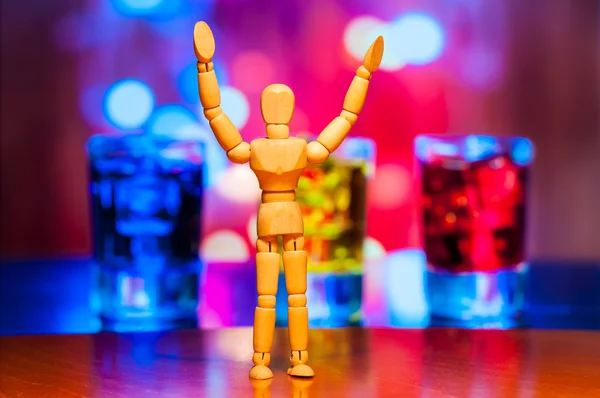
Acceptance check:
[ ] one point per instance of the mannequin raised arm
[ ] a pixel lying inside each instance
(224, 130)
(333, 135)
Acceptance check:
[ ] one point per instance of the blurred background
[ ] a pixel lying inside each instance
(451, 66)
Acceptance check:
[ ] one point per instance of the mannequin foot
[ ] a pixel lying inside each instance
(261, 372)
(301, 370)
(298, 367)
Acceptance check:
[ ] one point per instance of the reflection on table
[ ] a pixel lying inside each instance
(349, 362)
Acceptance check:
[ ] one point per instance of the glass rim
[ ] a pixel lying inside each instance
(473, 147)
(460, 136)
(144, 135)
(98, 143)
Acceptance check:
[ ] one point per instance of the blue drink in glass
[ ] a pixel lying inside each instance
(146, 196)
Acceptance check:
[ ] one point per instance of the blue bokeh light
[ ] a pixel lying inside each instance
(170, 120)
(128, 103)
(178, 122)
(422, 150)
(522, 151)
(235, 103)
(444, 149)
(479, 147)
(155, 9)
(137, 7)
(358, 148)
(187, 84)
(216, 161)
(419, 38)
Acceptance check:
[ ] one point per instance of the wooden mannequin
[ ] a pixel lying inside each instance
(278, 162)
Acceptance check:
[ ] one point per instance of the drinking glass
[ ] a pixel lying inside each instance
(146, 194)
(332, 196)
(473, 207)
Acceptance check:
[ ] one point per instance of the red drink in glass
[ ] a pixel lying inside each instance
(473, 202)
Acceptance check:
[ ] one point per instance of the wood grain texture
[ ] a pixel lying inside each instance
(208, 90)
(240, 154)
(277, 103)
(316, 152)
(356, 95)
(225, 132)
(278, 163)
(349, 362)
(332, 136)
(204, 42)
(374, 55)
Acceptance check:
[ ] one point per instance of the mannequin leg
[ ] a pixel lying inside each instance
(294, 264)
(267, 272)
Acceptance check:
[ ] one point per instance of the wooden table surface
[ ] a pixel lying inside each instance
(351, 362)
